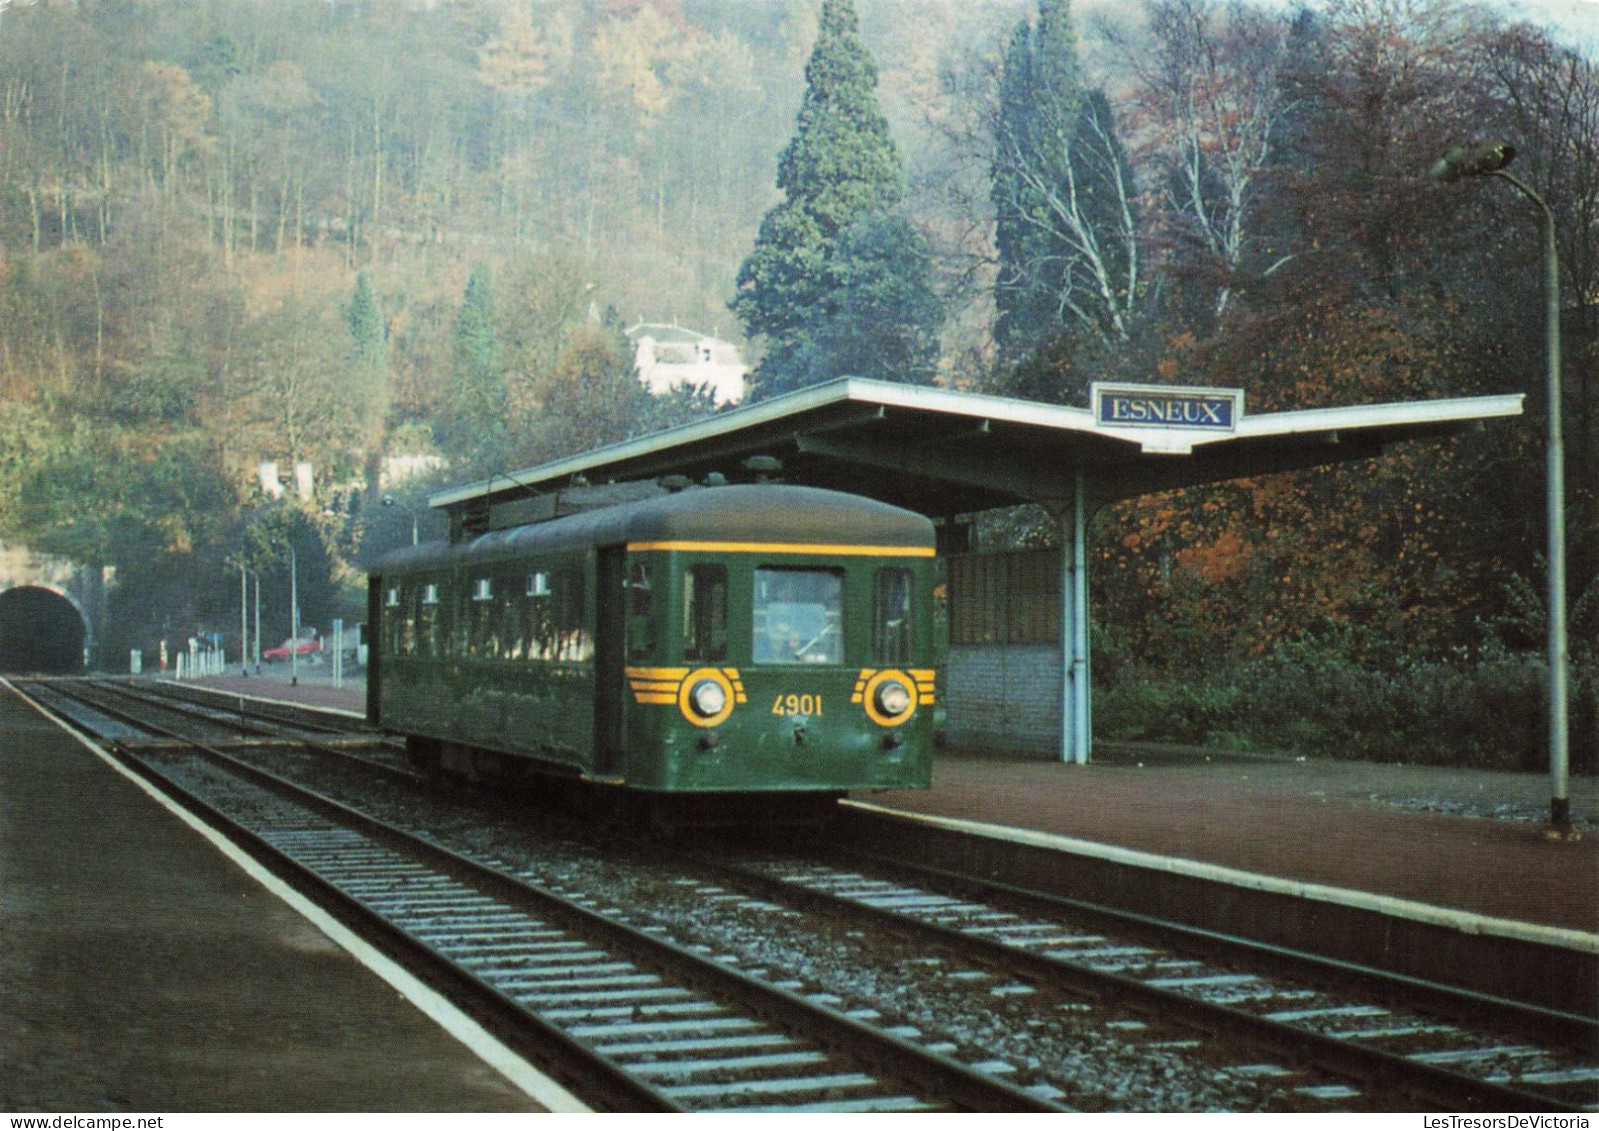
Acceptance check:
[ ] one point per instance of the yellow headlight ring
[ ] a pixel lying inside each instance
(685, 694)
(869, 698)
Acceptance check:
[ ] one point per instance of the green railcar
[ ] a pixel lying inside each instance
(715, 643)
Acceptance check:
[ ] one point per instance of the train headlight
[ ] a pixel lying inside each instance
(889, 697)
(708, 698)
(893, 698)
(707, 695)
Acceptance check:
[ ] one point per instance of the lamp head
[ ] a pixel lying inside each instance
(1480, 159)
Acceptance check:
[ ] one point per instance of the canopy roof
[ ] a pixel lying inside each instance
(945, 453)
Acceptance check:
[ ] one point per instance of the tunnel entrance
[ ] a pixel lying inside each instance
(40, 631)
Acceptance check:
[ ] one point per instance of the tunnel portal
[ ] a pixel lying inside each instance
(40, 631)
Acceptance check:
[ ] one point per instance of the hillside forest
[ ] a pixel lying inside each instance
(356, 235)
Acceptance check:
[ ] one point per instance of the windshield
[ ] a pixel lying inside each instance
(799, 615)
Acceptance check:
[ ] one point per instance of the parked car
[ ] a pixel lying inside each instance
(309, 644)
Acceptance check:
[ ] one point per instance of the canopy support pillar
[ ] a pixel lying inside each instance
(1076, 730)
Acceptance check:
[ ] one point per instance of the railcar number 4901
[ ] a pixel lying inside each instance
(797, 705)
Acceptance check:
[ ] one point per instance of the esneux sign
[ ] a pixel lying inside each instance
(1167, 406)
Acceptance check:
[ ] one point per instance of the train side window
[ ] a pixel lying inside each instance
(479, 641)
(575, 645)
(400, 622)
(705, 613)
(542, 633)
(892, 623)
(518, 627)
(640, 602)
(799, 616)
(508, 644)
(428, 643)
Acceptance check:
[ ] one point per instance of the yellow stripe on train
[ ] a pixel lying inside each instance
(662, 686)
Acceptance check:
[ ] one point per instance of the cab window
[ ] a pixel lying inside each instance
(640, 601)
(705, 613)
(799, 616)
(892, 624)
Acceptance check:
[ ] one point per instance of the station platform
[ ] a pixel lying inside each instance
(1466, 840)
(143, 970)
(1472, 841)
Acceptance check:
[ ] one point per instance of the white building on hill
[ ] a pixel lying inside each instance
(670, 356)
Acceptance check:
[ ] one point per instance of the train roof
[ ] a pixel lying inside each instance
(764, 513)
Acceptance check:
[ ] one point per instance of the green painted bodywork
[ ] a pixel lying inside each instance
(546, 709)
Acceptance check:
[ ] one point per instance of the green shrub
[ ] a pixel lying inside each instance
(1312, 701)
(1159, 709)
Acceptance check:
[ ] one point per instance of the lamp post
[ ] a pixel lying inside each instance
(294, 618)
(1488, 159)
(389, 501)
(244, 621)
(245, 651)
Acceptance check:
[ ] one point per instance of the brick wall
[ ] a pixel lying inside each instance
(1006, 696)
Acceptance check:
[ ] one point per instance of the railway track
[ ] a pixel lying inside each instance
(646, 1024)
(313, 720)
(1288, 1039)
(1524, 1058)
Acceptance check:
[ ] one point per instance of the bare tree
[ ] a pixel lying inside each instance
(1089, 235)
(1551, 95)
(1212, 104)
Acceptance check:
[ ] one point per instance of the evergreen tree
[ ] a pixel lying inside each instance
(216, 63)
(882, 321)
(1062, 191)
(369, 372)
(1039, 92)
(834, 236)
(475, 409)
(365, 321)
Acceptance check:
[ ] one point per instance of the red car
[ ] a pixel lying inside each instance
(304, 646)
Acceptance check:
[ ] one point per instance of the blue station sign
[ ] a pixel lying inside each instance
(1167, 406)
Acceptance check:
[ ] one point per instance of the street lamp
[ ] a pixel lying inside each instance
(1488, 159)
